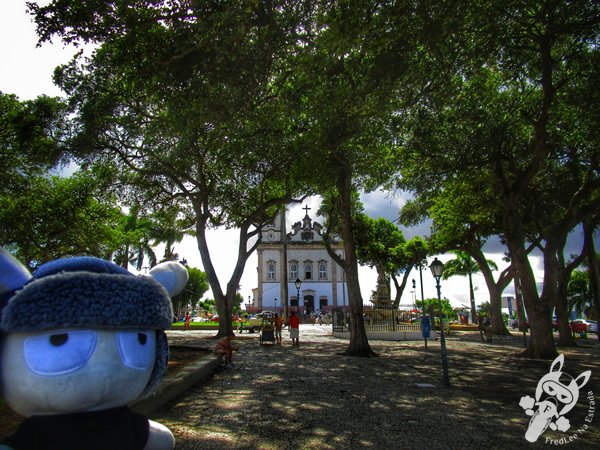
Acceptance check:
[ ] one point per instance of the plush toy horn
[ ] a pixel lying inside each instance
(13, 275)
(172, 275)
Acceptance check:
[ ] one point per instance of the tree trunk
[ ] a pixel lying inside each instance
(359, 344)
(498, 326)
(522, 321)
(400, 288)
(541, 343)
(224, 301)
(565, 336)
(472, 299)
(593, 269)
(557, 274)
(495, 289)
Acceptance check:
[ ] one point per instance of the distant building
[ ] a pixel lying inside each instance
(323, 280)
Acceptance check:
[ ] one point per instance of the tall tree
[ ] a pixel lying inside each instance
(465, 214)
(380, 244)
(32, 135)
(515, 119)
(55, 217)
(181, 95)
(579, 293)
(465, 266)
(195, 288)
(135, 236)
(170, 226)
(363, 63)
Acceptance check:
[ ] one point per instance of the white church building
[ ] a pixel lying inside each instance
(322, 281)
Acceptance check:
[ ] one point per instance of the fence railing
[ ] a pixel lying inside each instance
(376, 320)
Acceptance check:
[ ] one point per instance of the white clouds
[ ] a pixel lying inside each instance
(27, 70)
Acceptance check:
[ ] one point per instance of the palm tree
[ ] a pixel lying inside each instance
(463, 265)
(170, 226)
(135, 231)
(579, 294)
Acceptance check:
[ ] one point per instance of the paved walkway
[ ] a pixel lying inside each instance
(312, 398)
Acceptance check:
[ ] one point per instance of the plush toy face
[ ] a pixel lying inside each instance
(75, 370)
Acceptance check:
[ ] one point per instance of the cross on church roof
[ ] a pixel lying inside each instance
(306, 208)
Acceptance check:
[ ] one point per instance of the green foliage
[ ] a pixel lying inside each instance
(184, 99)
(237, 307)
(434, 303)
(579, 295)
(208, 305)
(31, 139)
(463, 265)
(54, 217)
(379, 243)
(195, 288)
(483, 309)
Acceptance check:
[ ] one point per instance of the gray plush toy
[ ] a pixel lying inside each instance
(79, 340)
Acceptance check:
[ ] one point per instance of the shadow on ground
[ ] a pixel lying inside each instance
(284, 397)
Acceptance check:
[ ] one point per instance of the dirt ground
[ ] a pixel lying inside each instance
(313, 398)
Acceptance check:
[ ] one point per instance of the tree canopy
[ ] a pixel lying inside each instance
(509, 117)
(229, 111)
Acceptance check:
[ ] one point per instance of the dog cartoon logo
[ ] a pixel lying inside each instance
(556, 394)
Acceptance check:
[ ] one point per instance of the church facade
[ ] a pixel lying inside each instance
(323, 282)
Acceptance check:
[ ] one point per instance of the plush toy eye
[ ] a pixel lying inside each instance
(137, 348)
(59, 353)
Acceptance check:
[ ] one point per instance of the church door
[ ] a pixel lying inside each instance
(309, 304)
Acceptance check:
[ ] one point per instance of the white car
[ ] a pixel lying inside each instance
(255, 323)
(199, 319)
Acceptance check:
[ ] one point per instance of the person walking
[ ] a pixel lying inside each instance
(295, 329)
(186, 323)
(278, 322)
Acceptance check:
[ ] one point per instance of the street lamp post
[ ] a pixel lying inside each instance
(437, 268)
(275, 303)
(248, 304)
(520, 298)
(298, 283)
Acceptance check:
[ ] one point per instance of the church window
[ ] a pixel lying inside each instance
(271, 270)
(293, 270)
(308, 268)
(322, 270)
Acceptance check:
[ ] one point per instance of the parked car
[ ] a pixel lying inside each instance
(199, 319)
(254, 323)
(584, 326)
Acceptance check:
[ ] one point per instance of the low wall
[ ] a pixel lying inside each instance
(399, 335)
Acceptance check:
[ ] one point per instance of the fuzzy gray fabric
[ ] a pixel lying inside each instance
(86, 299)
(87, 292)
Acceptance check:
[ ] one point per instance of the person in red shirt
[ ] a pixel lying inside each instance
(295, 329)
